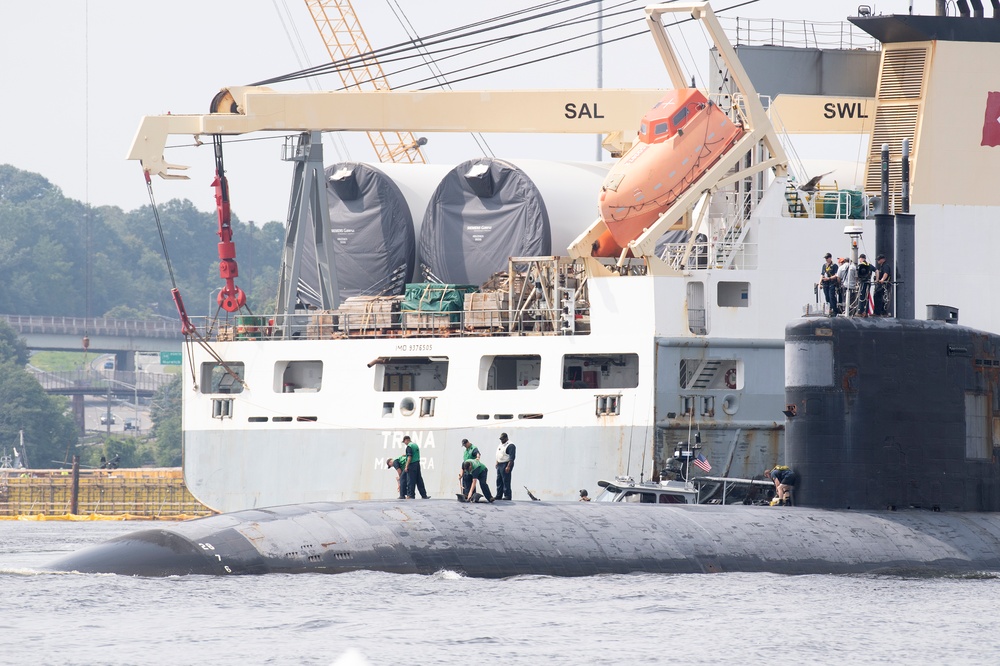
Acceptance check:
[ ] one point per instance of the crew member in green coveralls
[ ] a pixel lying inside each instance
(470, 453)
(411, 472)
(399, 463)
(475, 474)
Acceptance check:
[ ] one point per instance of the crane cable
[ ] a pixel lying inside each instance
(430, 40)
(191, 334)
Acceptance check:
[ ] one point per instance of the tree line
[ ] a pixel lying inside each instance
(60, 257)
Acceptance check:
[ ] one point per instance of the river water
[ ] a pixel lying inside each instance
(378, 618)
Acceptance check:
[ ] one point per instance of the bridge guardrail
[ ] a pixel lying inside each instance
(81, 326)
(120, 381)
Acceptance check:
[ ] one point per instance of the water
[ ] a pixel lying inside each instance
(448, 619)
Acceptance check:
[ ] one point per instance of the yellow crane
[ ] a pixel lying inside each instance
(344, 37)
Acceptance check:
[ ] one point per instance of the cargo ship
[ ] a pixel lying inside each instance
(593, 362)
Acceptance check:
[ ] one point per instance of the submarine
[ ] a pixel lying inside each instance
(889, 424)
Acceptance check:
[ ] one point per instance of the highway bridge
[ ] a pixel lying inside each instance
(121, 337)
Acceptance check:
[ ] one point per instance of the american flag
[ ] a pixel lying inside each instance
(871, 302)
(702, 463)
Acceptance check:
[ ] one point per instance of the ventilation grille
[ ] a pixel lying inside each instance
(902, 75)
(892, 125)
(900, 100)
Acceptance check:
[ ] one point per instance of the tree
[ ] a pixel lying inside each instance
(12, 346)
(166, 416)
(24, 406)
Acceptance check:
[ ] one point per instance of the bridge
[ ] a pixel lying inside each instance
(116, 383)
(119, 385)
(121, 337)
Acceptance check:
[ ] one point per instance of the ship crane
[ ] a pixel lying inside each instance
(344, 38)
(241, 110)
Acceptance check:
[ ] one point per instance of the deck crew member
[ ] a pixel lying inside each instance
(584, 497)
(411, 472)
(474, 476)
(865, 272)
(883, 281)
(505, 465)
(784, 481)
(469, 452)
(828, 280)
(398, 463)
(847, 276)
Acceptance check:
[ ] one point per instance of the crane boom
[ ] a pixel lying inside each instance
(241, 110)
(344, 38)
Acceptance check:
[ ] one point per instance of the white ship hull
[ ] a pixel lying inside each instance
(692, 354)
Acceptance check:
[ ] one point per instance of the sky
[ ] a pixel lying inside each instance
(78, 75)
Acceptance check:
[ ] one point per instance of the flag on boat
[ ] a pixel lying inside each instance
(871, 302)
(702, 462)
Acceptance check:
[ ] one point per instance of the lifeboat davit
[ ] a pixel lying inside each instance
(680, 138)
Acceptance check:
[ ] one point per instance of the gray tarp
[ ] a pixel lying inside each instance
(372, 229)
(483, 212)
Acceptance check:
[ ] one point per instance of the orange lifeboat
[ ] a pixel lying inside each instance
(679, 139)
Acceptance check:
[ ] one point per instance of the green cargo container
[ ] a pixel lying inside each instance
(434, 297)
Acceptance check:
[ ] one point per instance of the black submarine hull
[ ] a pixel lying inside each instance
(554, 539)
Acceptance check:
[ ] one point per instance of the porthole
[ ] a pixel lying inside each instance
(406, 406)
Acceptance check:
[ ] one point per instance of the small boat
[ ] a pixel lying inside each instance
(679, 139)
(698, 490)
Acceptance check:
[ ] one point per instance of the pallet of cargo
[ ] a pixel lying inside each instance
(369, 313)
(429, 321)
(486, 310)
(323, 325)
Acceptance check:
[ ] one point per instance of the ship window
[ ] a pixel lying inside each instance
(506, 373)
(734, 294)
(659, 128)
(641, 498)
(679, 117)
(711, 373)
(298, 376)
(405, 373)
(642, 128)
(427, 406)
(216, 379)
(600, 371)
(697, 314)
(977, 427)
(672, 499)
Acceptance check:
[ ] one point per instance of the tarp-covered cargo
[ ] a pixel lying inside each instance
(483, 212)
(372, 231)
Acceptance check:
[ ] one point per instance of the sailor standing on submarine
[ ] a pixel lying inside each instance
(505, 465)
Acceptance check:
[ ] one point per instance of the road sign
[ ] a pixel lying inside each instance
(170, 358)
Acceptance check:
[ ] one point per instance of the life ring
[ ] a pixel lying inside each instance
(731, 378)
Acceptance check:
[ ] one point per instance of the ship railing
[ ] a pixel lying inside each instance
(732, 254)
(827, 203)
(841, 35)
(386, 319)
